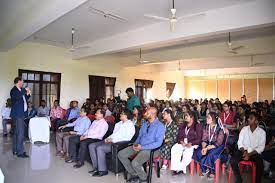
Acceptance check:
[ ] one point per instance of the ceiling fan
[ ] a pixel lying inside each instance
(107, 14)
(73, 48)
(140, 58)
(173, 19)
(231, 49)
(179, 66)
(255, 64)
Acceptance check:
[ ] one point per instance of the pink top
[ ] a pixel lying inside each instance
(56, 113)
(97, 129)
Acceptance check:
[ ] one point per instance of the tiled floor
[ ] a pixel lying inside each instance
(44, 167)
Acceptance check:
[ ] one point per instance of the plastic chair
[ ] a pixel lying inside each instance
(241, 165)
(252, 165)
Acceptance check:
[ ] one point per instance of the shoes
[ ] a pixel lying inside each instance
(78, 165)
(5, 135)
(100, 173)
(92, 171)
(24, 155)
(132, 179)
(69, 160)
(176, 173)
(14, 153)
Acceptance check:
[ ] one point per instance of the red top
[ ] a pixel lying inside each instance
(228, 118)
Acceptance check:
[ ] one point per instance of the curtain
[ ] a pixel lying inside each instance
(169, 89)
(141, 86)
(110, 81)
(97, 87)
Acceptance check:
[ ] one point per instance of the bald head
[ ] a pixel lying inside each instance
(151, 114)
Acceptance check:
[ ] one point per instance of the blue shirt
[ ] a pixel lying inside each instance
(80, 125)
(154, 138)
(42, 112)
(74, 113)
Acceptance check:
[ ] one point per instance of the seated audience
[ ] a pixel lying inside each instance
(43, 110)
(189, 137)
(251, 144)
(151, 136)
(227, 116)
(203, 112)
(212, 145)
(92, 109)
(31, 112)
(5, 112)
(240, 117)
(137, 116)
(95, 133)
(56, 114)
(123, 131)
(171, 133)
(268, 154)
(76, 128)
(107, 111)
(177, 114)
(87, 104)
(72, 114)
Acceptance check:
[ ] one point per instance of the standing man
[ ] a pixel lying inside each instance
(132, 99)
(19, 97)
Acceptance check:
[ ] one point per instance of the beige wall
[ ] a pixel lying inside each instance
(74, 78)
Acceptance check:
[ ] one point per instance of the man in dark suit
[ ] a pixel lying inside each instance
(19, 97)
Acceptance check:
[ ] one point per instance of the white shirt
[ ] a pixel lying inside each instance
(252, 141)
(123, 131)
(108, 113)
(6, 111)
(25, 102)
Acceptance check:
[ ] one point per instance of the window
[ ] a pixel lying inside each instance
(169, 89)
(44, 86)
(101, 87)
(143, 89)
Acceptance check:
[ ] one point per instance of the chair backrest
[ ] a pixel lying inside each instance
(136, 134)
(110, 119)
(109, 131)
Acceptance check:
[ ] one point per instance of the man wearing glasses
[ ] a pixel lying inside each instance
(151, 136)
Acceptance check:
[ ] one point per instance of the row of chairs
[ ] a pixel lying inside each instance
(115, 166)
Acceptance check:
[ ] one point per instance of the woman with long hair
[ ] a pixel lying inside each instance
(170, 137)
(137, 116)
(189, 137)
(212, 145)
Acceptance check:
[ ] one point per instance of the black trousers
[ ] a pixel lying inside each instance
(26, 121)
(75, 146)
(238, 156)
(18, 135)
(268, 156)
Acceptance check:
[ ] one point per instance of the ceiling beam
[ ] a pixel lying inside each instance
(38, 14)
(239, 17)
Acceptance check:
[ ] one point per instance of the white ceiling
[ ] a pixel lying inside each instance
(91, 27)
(49, 22)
